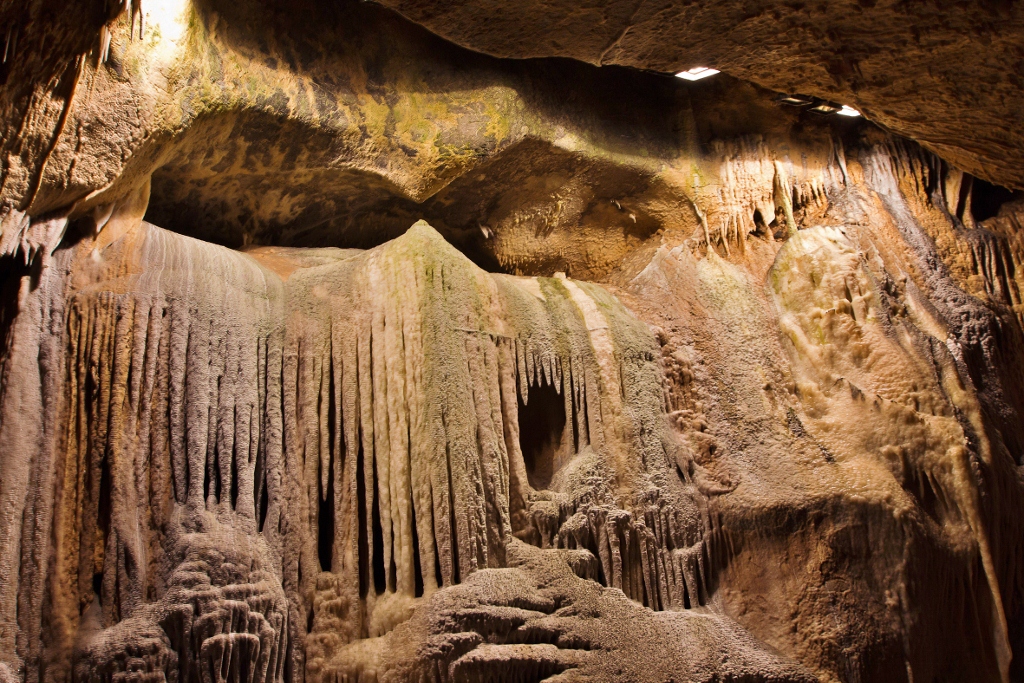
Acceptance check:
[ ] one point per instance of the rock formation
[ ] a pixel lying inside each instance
(332, 351)
(945, 74)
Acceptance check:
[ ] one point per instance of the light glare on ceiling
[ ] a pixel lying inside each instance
(848, 111)
(697, 73)
(168, 17)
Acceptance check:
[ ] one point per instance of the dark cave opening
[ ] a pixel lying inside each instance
(376, 544)
(759, 225)
(379, 577)
(762, 229)
(366, 541)
(234, 483)
(325, 523)
(541, 425)
(392, 573)
(417, 567)
(97, 586)
(987, 199)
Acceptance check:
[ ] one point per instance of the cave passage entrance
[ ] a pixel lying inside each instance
(987, 199)
(541, 431)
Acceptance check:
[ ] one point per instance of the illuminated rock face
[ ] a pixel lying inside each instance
(918, 69)
(671, 384)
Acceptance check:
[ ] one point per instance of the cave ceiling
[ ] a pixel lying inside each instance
(408, 341)
(947, 74)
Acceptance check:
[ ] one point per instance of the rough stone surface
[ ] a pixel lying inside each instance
(671, 384)
(946, 74)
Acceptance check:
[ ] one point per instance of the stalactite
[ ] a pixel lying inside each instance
(755, 186)
(30, 238)
(316, 455)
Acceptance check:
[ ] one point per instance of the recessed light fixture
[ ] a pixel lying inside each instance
(796, 100)
(697, 73)
(817, 105)
(827, 108)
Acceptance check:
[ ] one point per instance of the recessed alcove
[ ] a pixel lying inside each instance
(541, 428)
(987, 199)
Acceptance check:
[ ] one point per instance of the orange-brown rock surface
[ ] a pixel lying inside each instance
(332, 351)
(947, 74)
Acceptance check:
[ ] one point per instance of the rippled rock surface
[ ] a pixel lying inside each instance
(331, 351)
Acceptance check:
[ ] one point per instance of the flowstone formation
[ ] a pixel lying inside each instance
(273, 455)
(331, 351)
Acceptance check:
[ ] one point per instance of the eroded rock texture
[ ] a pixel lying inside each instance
(671, 384)
(946, 74)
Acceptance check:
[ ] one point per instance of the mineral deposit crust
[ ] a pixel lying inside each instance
(671, 384)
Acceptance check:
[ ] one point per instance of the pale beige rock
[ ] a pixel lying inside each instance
(684, 386)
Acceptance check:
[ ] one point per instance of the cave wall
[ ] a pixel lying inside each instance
(268, 456)
(673, 382)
